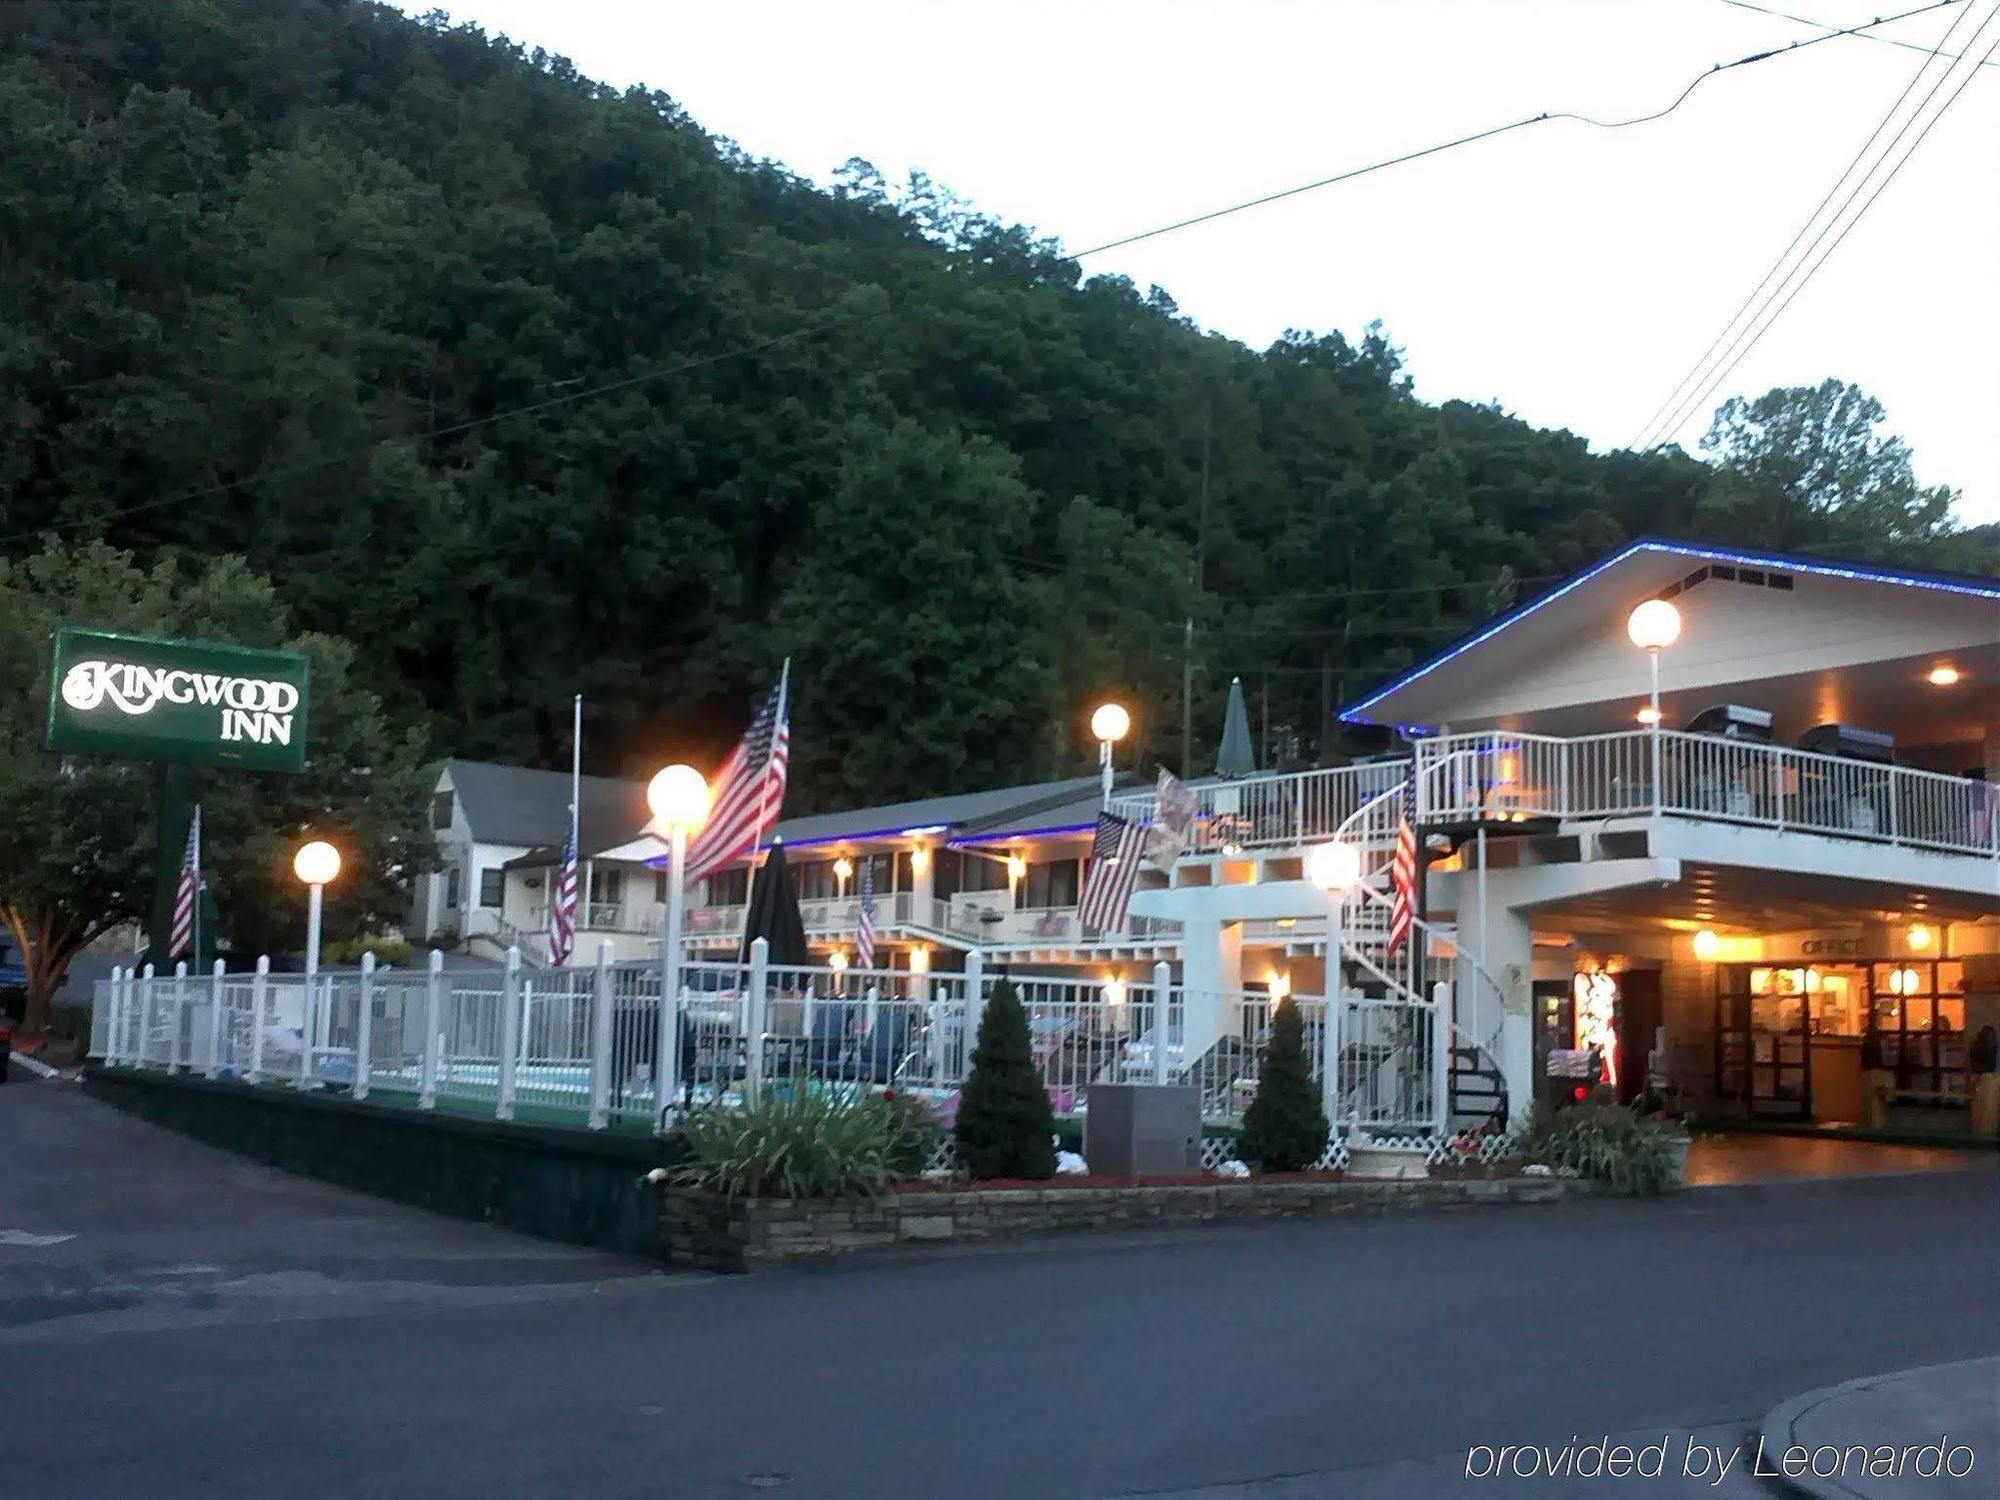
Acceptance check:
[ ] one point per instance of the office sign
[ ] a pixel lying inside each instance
(189, 701)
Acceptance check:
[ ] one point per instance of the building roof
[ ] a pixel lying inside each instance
(1566, 622)
(530, 808)
(945, 815)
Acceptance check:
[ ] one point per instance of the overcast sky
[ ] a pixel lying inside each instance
(1571, 274)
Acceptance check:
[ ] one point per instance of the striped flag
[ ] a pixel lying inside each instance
(562, 901)
(1403, 867)
(749, 789)
(864, 932)
(1115, 858)
(187, 895)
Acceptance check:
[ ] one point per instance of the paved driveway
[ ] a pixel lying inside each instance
(108, 1223)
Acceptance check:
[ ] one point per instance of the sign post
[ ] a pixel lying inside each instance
(181, 704)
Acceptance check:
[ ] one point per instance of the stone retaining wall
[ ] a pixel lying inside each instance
(705, 1230)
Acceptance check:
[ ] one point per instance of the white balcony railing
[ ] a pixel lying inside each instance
(1262, 812)
(969, 917)
(606, 916)
(1502, 776)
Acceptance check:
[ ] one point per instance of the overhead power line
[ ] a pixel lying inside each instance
(830, 324)
(1866, 36)
(1753, 318)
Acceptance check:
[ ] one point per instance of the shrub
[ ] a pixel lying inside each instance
(1285, 1128)
(390, 953)
(914, 1132)
(1005, 1126)
(802, 1142)
(1609, 1143)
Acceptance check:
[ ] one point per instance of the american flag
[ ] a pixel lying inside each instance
(562, 902)
(187, 895)
(1115, 857)
(749, 789)
(864, 932)
(1403, 868)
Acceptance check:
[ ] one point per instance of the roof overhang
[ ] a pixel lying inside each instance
(1814, 638)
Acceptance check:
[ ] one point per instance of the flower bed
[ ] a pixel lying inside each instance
(707, 1230)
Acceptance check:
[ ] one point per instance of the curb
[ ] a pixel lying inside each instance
(34, 1065)
(1778, 1428)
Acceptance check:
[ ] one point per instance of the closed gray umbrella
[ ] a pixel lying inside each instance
(774, 913)
(1235, 757)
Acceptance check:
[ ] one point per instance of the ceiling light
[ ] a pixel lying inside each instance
(1943, 677)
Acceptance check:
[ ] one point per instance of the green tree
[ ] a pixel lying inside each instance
(76, 847)
(1285, 1128)
(1005, 1127)
(1809, 465)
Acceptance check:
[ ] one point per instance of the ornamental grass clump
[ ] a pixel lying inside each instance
(805, 1142)
(1005, 1126)
(1285, 1128)
(1608, 1143)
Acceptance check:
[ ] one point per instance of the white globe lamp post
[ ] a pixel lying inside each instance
(1654, 625)
(678, 797)
(316, 864)
(1334, 867)
(1110, 724)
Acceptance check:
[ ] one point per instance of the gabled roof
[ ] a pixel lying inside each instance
(530, 809)
(1645, 567)
(944, 815)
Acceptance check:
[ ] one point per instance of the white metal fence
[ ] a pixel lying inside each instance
(590, 1045)
(1500, 776)
(1266, 811)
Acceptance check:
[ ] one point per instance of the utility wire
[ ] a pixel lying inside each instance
(1866, 36)
(1702, 379)
(829, 324)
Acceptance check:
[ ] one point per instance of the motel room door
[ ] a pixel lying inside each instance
(1763, 1050)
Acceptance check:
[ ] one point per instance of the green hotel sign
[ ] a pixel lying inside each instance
(188, 701)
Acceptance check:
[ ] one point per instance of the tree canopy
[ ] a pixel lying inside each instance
(524, 386)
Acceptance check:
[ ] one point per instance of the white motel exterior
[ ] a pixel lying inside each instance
(1779, 900)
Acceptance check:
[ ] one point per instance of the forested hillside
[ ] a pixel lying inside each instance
(343, 292)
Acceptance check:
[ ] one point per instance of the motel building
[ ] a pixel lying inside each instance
(1778, 898)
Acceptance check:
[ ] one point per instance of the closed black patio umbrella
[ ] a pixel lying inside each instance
(774, 913)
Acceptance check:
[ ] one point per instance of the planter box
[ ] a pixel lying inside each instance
(711, 1232)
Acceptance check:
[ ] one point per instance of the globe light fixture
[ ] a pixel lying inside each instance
(1707, 945)
(1920, 938)
(678, 797)
(1279, 987)
(1017, 869)
(920, 860)
(838, 962)
(920, 960)
(1110, 723)
(1114, 991)
(1654, 625)
(316, 863)
(1333, 866)
(843, 871)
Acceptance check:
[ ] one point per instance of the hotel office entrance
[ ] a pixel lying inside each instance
(1797, 1043)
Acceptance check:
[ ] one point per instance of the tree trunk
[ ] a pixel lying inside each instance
(46, 960)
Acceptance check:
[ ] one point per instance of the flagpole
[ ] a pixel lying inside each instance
(576, 808)
(750, 870)
(195, 953)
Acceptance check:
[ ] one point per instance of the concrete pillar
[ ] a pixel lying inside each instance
(1211, 965)
(1510, 959)
(923, 888)
(1992, 736)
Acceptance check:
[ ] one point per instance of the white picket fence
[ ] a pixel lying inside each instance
(591, 1045)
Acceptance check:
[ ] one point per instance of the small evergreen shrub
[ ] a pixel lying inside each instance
(914, 1132)
(802, 1142)
(1634, 1153)
(1285, 1128)
(1005, 1126)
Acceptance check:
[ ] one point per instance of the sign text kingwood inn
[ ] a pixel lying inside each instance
(191, 701)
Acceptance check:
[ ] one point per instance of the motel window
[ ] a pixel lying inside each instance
(729, 888)
(660, 887)
(984, 872)
(492, 887)
(1052, 884)
(451, 877)
(607, 886)
(441, 808)
(816, 880)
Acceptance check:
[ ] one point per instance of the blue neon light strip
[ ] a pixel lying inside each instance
(1768, 560)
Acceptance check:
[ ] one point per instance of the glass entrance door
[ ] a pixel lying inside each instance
(1763, 1046)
